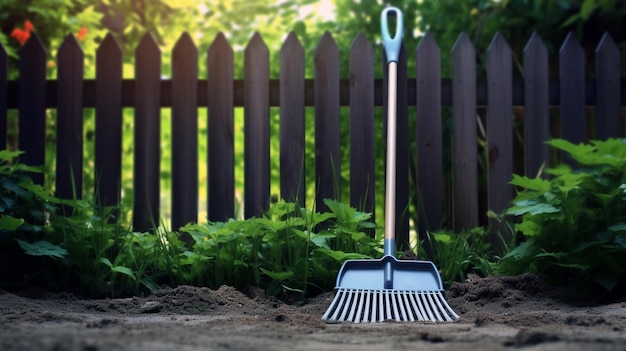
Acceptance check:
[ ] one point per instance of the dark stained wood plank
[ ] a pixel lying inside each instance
(327, 122)
(429, 137)
(147, 135)
(32, 111)
(256, 128)
(499, 134)
(572, 86)
(4, 85)
(108, 92)
(465, 158)
(536, 106)
(362, 174)
(184, 132)
(292, 117)
(221, 189)
(609, 120)
(69, 163)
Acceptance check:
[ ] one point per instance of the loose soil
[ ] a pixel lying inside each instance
(495, 313)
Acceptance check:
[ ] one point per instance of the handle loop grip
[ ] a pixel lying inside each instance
(392, 45)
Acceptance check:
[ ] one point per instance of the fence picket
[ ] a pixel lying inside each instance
(499, 130)
(147, 135)
(465, 160)
(429, 137)
(69, 151)
(108, 162)
(184, 132)
(4, 87)
(572, 88)
(292, 114)
(221, 179)
(327, 124)
(362, 124)
(32, 97)
(536, 106)
(256, 127)
(609, 121)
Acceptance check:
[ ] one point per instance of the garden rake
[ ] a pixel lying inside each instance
(375, 290)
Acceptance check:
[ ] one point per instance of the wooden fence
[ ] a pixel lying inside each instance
(427, 93)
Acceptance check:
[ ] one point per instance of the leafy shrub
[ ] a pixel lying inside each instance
(73, 245)
(574, 224)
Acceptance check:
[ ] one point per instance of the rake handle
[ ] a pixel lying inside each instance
(392, 47)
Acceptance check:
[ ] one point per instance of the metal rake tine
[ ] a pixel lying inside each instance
(331, 308)
(381, 306)
(340, 297)
(418, 311)
(394, 305)
(356, 306)
(426, 306)
(346, 308)
(446, 307)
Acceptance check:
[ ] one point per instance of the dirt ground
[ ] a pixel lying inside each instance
(495, 313)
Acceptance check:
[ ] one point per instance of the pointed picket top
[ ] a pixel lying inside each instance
(147, 46)
(535, 49)
(70, 48)
(33, 46)
(221, 46)
(571, 46)
(109, 48)
(428, 46)
(326, 46)
(292, 47)
(462, 44)
(256, 46)
(361, 43)
(607, 47)
(499, 45)
(185, 45)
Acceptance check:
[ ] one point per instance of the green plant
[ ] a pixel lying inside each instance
(459, 254)
(574, 224)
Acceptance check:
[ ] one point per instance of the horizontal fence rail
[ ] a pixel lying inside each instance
(498, 93)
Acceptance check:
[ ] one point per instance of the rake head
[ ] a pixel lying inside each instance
(367, 306)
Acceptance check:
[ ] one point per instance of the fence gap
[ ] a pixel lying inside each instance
(465, 161)
(69, 150)
(327, 122)
(147, 135)
(32, 105)
(608, 114)
(362, 179)
(536, 106)
(429, 192)
(256, 128)
(184, 132)
(292, 119)
(221, 179)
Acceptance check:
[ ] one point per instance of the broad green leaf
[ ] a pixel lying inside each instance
(531, 207)
(538, 184)
(280, 276)
(587, 9)
(10, 223)
(42, 248)
(618, 227)
(124, 270)
(442, 238)
(340, 255)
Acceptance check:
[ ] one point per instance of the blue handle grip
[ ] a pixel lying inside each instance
(392, 45)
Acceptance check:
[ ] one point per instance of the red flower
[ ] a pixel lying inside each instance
(82, 33)
(28, 26)
(20, 35)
